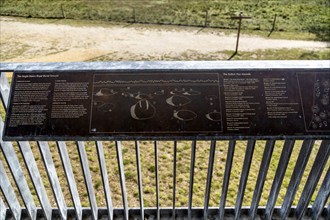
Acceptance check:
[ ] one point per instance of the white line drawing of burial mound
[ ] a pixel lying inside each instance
(143, 110)
(184, 115)
(178, 100)
(214, 116)
(105, 92)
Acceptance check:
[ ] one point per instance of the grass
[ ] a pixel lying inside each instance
(165, 160)
(166, 175)
(178, 13)
(269, 54)
(295, 16)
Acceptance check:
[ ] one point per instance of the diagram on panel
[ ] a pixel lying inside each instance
(214, 116)
(151, 103)
(178, 100)
(184, 115)
(143, 110)
(316, 112)
(105, 92)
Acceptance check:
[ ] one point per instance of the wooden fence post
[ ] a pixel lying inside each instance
(239, 18)
(206, 17)
(63, 15)
(134, 19)
(273, 26)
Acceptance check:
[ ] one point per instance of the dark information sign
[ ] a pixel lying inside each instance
(106, 105)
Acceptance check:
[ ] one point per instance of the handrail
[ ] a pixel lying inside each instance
(308, 169)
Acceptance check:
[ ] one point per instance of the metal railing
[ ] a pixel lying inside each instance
(19, 167)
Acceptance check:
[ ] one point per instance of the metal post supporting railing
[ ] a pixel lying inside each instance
(105, 180)
(229, 162)
(88, 179)
(15, 174)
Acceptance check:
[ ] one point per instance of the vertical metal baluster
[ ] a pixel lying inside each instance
(156, 179)
(11, 157)
(278, 178)
(138, 165)
(105, 180)
(53, 178)
(267, 155)
(297, 173)
(209, 179)
(4, 89)
(88, 179)
(229, 162)
(313, 178)
(321, 197)
(34, 173)
(174, 180)
(3, 208)
(244, 177)
(192, 172)
(122, 178)
(70, 178)
(17, 172)
(15, 207)
(9, 194)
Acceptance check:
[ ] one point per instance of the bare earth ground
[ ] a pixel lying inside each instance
(33, 41)
(36, 42)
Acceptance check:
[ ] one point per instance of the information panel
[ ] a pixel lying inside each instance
(125, 105)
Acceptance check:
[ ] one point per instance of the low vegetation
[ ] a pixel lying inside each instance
(287, 15)
(294, 17)
(279, 54)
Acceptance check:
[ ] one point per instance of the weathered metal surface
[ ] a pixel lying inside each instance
(191, 178)
(70, 178)
(297, 174)
(267, 156)
(174, 180)
(4, 89)
(105, 180)
(278, 178)
(2, 209)
(33, 170)
(17, 172)
(322, 196)
(89, 105)
(244, 176)
(318, 211)
(122, 178)
(209, 178)
(88, 178)
(197, 213)
(53, 178)
(9, 194)
(156, 180)
(229, 162)
(139, 172)
(313, 178)
(167, 65)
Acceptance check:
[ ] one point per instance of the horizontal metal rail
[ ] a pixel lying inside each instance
(166, 213)
(32, 185)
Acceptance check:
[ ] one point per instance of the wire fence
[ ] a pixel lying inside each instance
(280, 15)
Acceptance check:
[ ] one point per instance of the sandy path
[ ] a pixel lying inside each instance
(58, 42)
